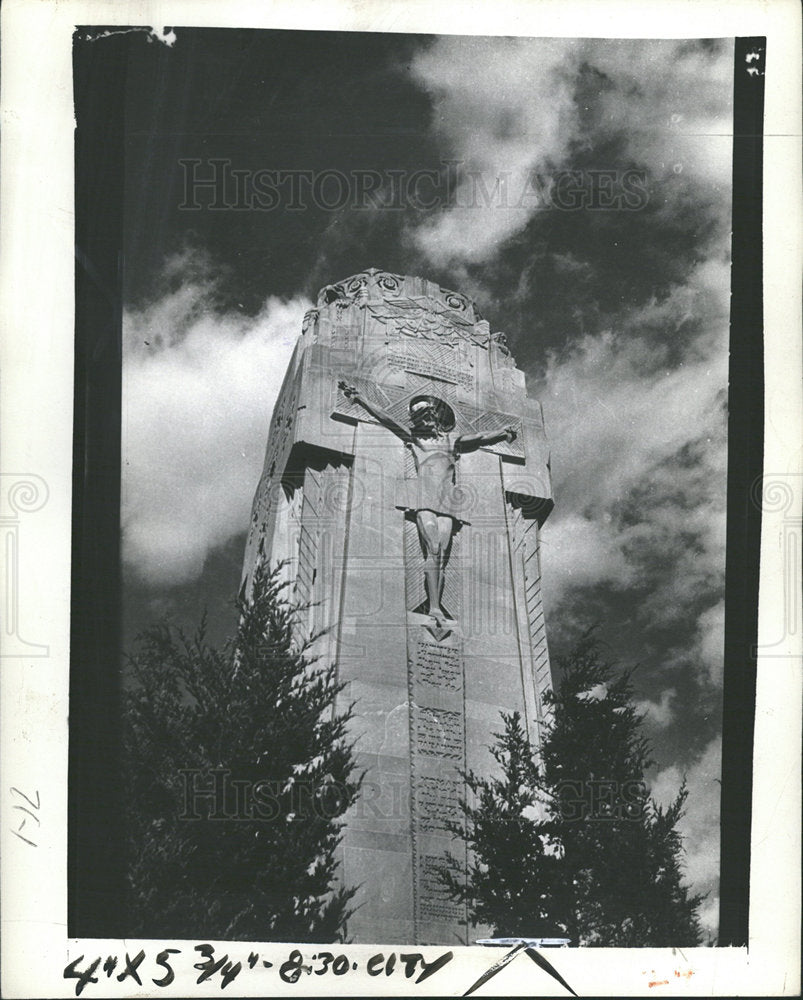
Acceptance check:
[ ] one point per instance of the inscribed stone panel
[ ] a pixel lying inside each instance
(439, 666)
(435, 903)
(440, 733)
(438, 800)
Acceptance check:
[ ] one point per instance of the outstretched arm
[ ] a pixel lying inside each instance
(470, 442)
(350, 392)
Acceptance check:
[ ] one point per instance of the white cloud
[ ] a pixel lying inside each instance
(710, 638)
(639, 459)
(704, 649)
(595, 693)
(508, 108)
(614, 419)
(502, 107)
(700, 825)
(581, 551)
(198, 390)
(664, 787)
(660, 713)
(674, 103)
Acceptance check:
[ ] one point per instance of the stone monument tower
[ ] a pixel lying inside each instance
(406, 480)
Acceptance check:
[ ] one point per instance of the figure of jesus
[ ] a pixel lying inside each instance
(435, 454)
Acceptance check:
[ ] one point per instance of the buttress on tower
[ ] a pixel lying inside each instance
(418, 551)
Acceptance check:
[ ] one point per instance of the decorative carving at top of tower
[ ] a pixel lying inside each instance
(375, 286)
(383, 323)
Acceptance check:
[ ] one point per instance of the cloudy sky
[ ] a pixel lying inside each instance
(578, 190)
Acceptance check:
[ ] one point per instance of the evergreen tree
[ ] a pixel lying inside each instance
(238, 773)
(514, 869)
(570, 844)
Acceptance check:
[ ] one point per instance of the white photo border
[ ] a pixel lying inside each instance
(37, 294)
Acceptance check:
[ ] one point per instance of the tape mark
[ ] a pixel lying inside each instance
(538, 958)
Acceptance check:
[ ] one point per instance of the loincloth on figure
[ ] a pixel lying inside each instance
(446, 500)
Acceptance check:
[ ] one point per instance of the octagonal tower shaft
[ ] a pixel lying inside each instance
(342, 498)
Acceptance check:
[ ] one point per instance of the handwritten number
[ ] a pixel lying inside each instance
(290, 971)
(23, 838)
(326, 957)
(25, 809)
(341, 965)
(163, 959)
(31, 803)
(28, 813)
(209, 967)
(71, 972)
(229, 973)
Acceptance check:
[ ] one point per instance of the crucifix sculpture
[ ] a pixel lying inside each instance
(435, 454)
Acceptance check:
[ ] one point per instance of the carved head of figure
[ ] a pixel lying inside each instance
(431, 416)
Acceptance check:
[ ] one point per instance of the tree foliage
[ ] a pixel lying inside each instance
(570, 843)
(239, 770)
